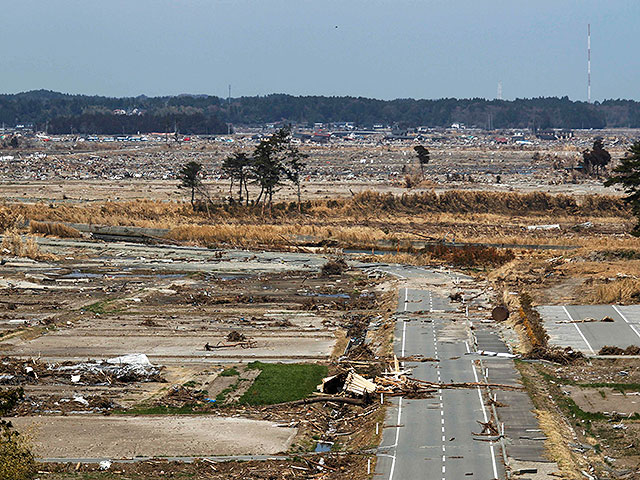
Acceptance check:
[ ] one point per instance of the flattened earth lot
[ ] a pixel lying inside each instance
(68, 345)
(128, 436)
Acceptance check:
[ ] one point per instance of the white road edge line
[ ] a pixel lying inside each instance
(626, 320)
(395, 445)
(484, 414)
(578, 329)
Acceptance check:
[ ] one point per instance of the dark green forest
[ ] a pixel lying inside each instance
(201, 114)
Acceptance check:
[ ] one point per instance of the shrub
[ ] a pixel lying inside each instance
(334, 267)
(16, 459)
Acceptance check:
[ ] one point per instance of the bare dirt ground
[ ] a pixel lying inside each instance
(605, 400)
(132, 436)
(196, 314)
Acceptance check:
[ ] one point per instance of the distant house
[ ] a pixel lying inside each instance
(546, 136)
(321, 137)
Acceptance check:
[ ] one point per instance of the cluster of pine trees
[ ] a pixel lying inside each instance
(202, 114)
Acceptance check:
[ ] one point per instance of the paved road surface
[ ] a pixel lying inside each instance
(433, 439)
(589, 337)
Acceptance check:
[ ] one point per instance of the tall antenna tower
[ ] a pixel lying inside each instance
(588, 63)
(229, 96)
(499, 91)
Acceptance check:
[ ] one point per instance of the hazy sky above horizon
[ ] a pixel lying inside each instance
(382, 49)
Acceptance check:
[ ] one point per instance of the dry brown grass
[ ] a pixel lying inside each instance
(56, 229)
(243, 235)
(13, 244)
(554, 426)
(367, 218)
(270, 234)
(625, 290)
(9, 218)
(557, 433)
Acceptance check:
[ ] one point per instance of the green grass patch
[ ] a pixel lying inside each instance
(229, 372)
(100, 308)
(571, 408)
(222, 396)
(283, 382)
(620, 387)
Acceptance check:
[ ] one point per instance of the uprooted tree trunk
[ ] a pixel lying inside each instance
(306, 401)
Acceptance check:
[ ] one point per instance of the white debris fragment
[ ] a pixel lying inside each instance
(130, 359)
(488, 353)
(554, 226)
(80, 399)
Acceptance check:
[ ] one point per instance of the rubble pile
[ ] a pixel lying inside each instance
(179, 396)
(324, 467)
(563, 356)
(55, 404)
(609, 350)
(126, 369)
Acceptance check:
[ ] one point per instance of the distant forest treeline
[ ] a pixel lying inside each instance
(201, 114)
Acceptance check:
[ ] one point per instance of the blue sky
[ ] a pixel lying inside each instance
(382, 49)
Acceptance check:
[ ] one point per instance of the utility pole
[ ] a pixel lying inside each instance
(229, 111)
(588, 63)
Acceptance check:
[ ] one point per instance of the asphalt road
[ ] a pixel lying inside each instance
(432, 438)
(564, 326)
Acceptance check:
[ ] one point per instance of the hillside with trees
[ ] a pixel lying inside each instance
(202, 114)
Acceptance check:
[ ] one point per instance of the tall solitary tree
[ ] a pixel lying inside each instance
(423, 156)
(190, 178)
(627, 174)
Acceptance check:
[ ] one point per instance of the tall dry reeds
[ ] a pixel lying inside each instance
(363, 220)
(56, 229)
(272, 234)
(462, 201)
(9, 218)
(625, 290)
(13, 244)
(366, 204)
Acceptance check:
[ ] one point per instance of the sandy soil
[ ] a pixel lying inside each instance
(592, 400)
(168, 348)
(125, 437)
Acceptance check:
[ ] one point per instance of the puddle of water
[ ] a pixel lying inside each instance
(369, 252)
(323, 447)
(346, 296)
(78, 274)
